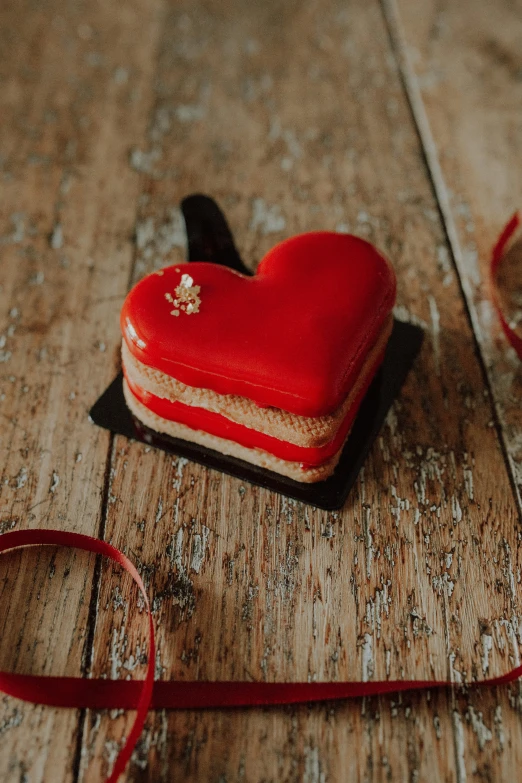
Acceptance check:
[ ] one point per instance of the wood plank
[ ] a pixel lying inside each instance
(404, 582)
(70, 113)
(460, 67)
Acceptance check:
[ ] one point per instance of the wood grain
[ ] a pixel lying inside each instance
(68, 121)
(295, 117)
(462, 72)
(249, 585)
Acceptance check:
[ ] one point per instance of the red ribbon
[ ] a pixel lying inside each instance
(498, 254)
(78, 691)
(142, 695)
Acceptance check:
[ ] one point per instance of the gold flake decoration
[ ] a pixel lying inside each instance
(187, 297)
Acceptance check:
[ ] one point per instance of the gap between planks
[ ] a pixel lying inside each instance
(88, 651)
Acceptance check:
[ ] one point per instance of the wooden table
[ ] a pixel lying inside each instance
(398, 121)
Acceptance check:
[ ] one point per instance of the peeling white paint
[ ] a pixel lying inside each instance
(54, 483)
(486, 641)
(367, 658)
(368, 539)
(156, 242)
(456, 511)
(499, 727)
(118, 644)
(56, 239)
(376, 607)
(21, 478)
(403, 504)
(401, 313)
(143, 162)
(313, 772)
(435, 332)
(12, 721)
(458, 736)
(178, 550)
(268, 219)
(480, 729)
(468, 481)
(199, 544)
(443, 584)
(190, 112)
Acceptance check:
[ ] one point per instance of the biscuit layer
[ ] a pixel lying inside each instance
(222, 427)
(263, 459)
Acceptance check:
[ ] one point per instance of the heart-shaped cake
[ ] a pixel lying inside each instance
(270, 368)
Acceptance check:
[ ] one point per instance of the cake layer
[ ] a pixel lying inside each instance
(294, 470)
(218, 425)
(306, 432)
(295, 336)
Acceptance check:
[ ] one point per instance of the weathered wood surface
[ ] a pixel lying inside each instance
(67, 206)
(294, 117)
(463, 68)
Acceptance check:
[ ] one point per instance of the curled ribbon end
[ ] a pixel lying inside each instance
(496, 257)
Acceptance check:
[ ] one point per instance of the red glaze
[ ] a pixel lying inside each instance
(216, 424)
(294, 336)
